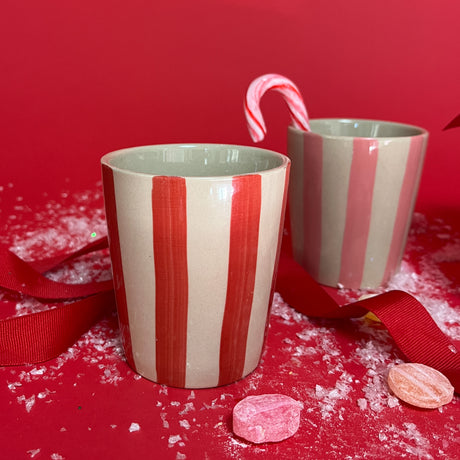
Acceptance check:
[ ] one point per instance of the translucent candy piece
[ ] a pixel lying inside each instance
(420, 385)
(266, 418)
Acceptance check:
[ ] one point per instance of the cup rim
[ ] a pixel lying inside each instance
(420, 131)
(105, 159)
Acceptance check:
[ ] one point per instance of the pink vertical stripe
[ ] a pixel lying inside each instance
(312, 196)
(359, 211)
(171, 278)
(117, 268)
(406, 202)
(244, 237)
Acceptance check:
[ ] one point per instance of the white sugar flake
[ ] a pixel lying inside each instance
(134, 427)
(33, 452)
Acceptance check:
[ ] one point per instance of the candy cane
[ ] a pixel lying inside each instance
(291, 95)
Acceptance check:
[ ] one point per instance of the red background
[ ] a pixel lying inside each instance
(80, 78)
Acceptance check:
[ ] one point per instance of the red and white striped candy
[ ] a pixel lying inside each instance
(291, 95)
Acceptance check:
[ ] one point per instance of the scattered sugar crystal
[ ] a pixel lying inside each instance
(39, 371)
(134, 427)
(57, 456)
(184, 424)
(443, 236)
(376, 393)
(392, 401)
(28, 402)
(33, 452)
(284, 311)
(180, 456)
(320, 391)
(173, 439)
(13, 386)
(408, 437)
(239, 443)
(329, 397)
(188, 407)
(302, 350)
(213, 405)
(111, 375)
(163, 416)
(362, 403)
(44, 394)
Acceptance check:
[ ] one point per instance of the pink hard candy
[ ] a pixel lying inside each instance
(266, 418)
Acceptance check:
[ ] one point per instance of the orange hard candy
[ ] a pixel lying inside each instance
(420, 385)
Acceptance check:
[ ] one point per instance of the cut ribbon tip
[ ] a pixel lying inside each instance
(455, 123)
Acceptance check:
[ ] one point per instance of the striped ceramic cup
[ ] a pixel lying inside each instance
(194, 235)
(353, 188)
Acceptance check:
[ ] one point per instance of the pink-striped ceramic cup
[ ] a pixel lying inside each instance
(194, 235)
(353, 188)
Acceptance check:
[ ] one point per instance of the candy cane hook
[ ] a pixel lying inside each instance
(291, 95)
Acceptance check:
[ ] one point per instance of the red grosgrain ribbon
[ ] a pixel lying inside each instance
(38, 337)
(45, 335)
(455, 123)
(17, 275)
(411, 326)
(41, 336)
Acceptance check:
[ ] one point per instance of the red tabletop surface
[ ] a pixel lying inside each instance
(88, 403)
(81, 78)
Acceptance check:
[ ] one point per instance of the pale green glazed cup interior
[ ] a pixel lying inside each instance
(344, 127)
(194, 160)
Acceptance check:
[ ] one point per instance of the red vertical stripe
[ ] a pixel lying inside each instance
(171, 278)
(312, 196)
(117, 268)
(405, 205)
(244, 237)
(359, 210)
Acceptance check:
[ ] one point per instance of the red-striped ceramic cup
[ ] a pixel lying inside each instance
(194, 235)
(353, 188)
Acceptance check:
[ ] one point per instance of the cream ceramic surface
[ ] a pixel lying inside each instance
(353, 189)
(194, 256)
